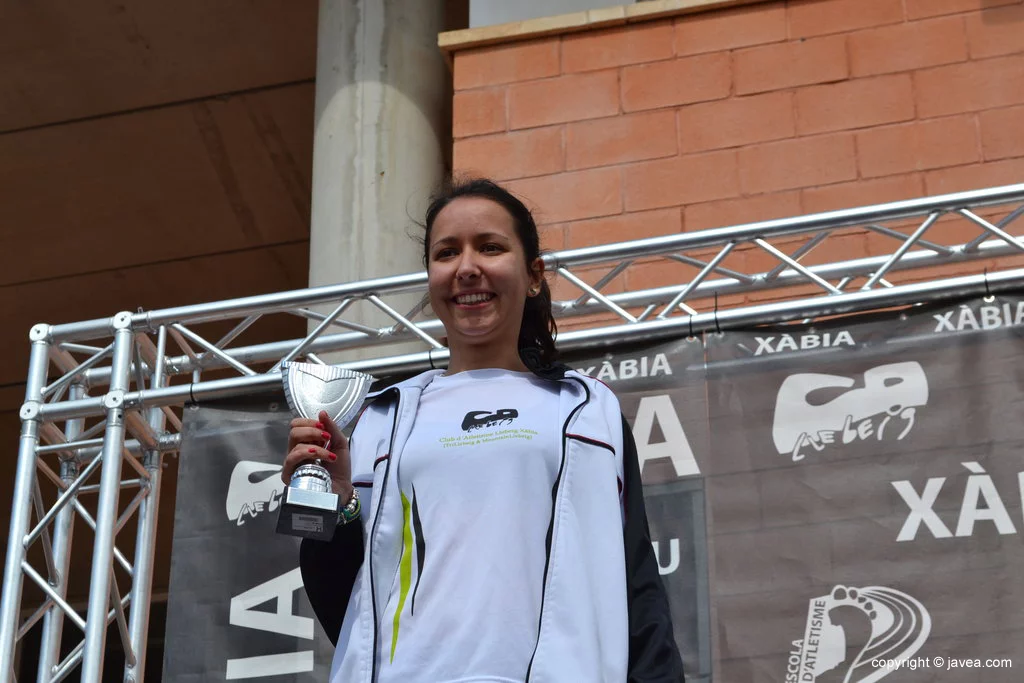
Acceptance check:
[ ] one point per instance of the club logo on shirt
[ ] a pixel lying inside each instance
(482, 419)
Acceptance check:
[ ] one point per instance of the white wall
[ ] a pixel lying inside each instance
(488, 12)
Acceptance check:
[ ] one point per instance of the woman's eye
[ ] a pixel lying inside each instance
(491, 247)
(444, 253)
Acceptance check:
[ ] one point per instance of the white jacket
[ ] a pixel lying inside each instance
(585, 620)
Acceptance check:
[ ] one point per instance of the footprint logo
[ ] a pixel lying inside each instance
(889, 623)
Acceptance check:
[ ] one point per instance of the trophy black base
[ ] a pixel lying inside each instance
(308, 514)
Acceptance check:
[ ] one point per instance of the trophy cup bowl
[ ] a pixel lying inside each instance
(308, 507)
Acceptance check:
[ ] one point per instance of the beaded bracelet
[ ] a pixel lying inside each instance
(351, 510)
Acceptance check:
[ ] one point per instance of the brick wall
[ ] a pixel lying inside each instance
(765, 111)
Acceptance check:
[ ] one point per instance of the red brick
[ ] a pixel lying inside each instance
(804, 162)
(680, 180)
(976, 177)
(972, 86)
(737, 121)
(675, 82)
(863, 193)
(628, 226)
(731, 28)
(572, 196)
(737, 211)
(631, 137)
(818, 17)
(567, 98)
(855, 104)
(918, 9)
(511, 155)
(917, 146)
(475, 112)
(773, 67)
(506, 63)
(552, 237)
(1002, 133)
(631, 44)
(996, 31)
(904, 47)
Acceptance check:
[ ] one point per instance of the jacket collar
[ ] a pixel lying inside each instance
(553, 372)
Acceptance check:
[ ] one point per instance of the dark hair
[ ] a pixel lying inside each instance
(537, 333)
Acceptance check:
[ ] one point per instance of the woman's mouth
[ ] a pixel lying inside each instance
(474, 298)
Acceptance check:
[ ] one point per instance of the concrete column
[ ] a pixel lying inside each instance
(381, 119)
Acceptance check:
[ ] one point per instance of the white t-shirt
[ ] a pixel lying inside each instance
(476, 478)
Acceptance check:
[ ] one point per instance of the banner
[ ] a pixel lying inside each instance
(236, 609)
(828, 502)
(864, 494)
(661, 389)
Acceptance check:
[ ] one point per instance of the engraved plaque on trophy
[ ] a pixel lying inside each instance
(309, 508)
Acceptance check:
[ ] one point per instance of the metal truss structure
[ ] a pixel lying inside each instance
(102, 395)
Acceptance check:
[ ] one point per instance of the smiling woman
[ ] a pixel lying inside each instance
(502, 535)
(486, 278)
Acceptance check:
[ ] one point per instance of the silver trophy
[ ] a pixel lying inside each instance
(309, 508)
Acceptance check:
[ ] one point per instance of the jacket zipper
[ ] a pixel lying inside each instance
(373, 530)
(551, 525)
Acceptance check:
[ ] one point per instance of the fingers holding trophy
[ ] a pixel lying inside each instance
(309, 508)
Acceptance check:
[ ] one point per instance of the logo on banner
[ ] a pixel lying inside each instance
(898, 626)
(814, 410)
(981, 502)
(986, 317)
(254, 488)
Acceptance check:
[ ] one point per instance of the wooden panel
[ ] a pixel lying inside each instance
(170, 183)
(78, 60)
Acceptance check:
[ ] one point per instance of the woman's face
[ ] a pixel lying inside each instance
(477, 272)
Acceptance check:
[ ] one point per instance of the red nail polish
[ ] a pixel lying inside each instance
(333, 457)
(319, 426)
(325, 435)
(312, 450)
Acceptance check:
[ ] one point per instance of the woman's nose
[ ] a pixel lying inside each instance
(468, 266)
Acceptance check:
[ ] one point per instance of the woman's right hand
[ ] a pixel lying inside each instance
(306, 441)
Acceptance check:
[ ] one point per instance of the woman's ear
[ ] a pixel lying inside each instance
(536, 273)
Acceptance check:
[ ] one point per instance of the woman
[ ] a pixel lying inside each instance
(501, 530)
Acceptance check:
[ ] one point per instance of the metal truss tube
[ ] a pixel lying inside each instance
(903, 249)
(283, 301)
(578, 340)
(145, 536)
(787, 226)
(53, 595)
(21, 505)
(233, 308)
(722, 286)
(106, 514)
(63, 527)
(695, 282)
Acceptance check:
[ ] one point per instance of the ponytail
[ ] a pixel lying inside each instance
(537, 333)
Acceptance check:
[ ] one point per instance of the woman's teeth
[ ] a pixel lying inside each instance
(469, 299)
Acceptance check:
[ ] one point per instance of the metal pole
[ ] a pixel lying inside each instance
(63, 526)
(145, 540)
(106, 514)
(22, 504)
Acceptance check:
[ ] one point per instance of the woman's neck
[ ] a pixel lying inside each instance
(483, 357)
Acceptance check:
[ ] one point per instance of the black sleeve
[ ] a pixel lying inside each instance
(653, 655)
(328, 573)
